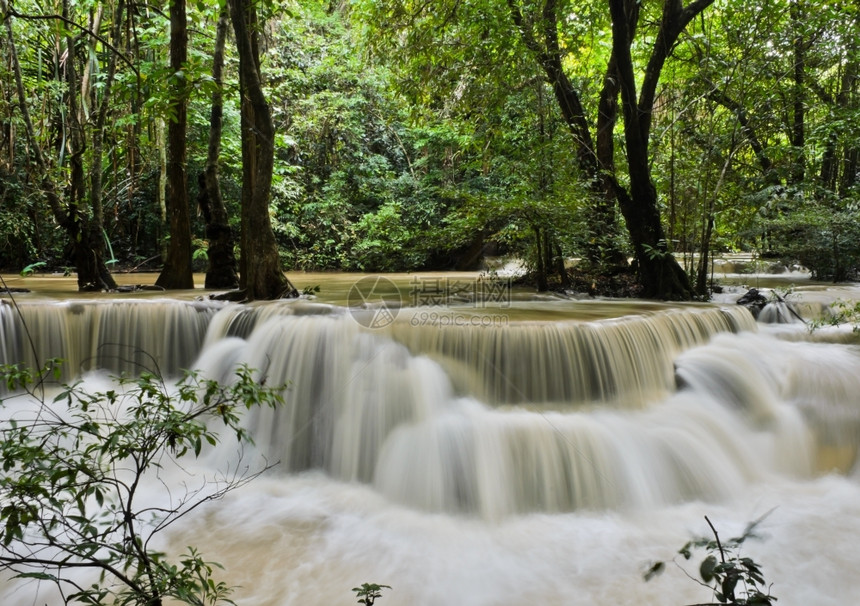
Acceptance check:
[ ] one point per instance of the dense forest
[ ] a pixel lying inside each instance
(256, 136)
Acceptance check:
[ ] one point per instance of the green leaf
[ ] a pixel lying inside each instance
(41, 576)
(654, 570)
(706, 568)
(728, 585)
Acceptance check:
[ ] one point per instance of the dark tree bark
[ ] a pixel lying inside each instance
(721, 98)
(848, 99)
(832, 160)
(540, 260)
(98, 135)
(660, 274)
(260, 271)
(85, 229)
(86, 244)
(798, 127)
(221, 272)
(177, 271)
(603, 226)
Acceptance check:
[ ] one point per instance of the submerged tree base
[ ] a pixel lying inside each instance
(622, 283)
(241, 295)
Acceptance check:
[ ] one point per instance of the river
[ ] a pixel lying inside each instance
(500, 448)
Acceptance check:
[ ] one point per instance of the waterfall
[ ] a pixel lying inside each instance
(508, 463)
(546, 417)
(120, 336)
(779, 312)
(626, 360)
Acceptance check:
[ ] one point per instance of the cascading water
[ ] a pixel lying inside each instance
(535, 462)
(120, 336)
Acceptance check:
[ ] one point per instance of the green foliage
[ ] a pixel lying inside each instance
(409, 132)
(384, 241)
(311, 290)
(20, 223)
(369, 592)
(839, 313)
(657, 252)
(350, 190)
(30, 269)
(815, 229)
(199, 254)
(72, 472)
(735, 579)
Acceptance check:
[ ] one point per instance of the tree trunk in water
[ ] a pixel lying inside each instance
(602, 224)
(97, 229)
(177, 272)
(85, 247)
(605, 227)
(659, 273)
(221, 272)
(261, 275)
(540, 262)
(704, 255)
(84, 228)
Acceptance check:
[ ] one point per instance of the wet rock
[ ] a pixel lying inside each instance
(753, 300)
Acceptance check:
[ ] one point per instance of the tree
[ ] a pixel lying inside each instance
(735, 580)
(785, 77)
(78, 214)
(177, 272)
(548, 31)
(595, 154)
(660, 274)
(72, 472)
(260, 271)
(221, 272)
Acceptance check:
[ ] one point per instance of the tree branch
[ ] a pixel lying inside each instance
(13, 13)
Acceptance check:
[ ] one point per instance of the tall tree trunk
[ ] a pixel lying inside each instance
(540, 261)
(659, 273)
(560, 269)
(260, 271)
(85, 243)
(98, 133)
(798, 127)
(85, 229)
(603, 226)
(177, 272)
(607, 116)
(846, 96)
(221, 272)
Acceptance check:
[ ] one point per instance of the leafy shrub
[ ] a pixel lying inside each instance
(736, 580)
(71, 471)
(817, 230)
